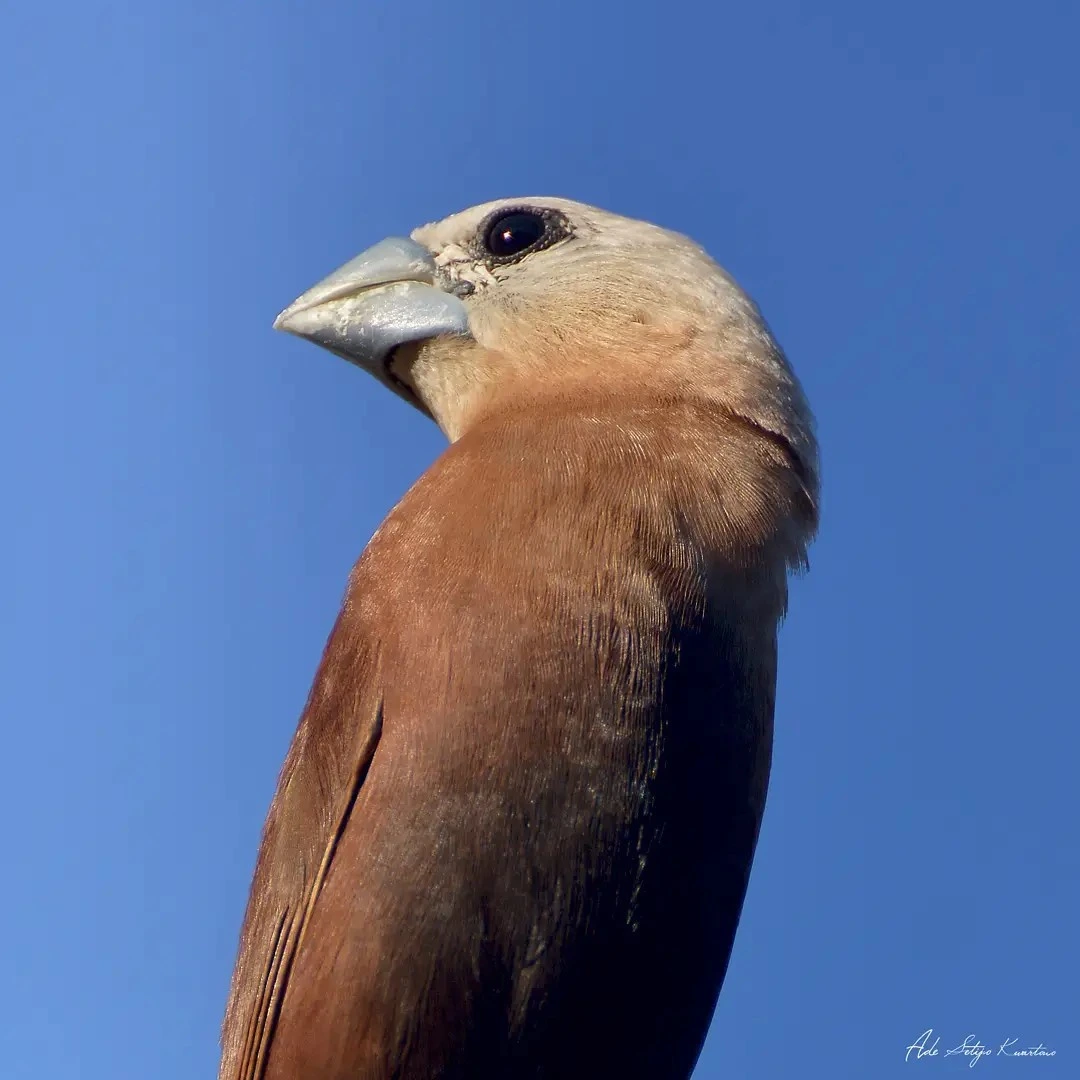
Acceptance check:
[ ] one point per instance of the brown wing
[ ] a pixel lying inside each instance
(325, 768)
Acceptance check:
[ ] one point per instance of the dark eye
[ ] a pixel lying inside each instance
(512, 233)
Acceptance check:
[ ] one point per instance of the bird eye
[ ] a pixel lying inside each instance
(512, 233)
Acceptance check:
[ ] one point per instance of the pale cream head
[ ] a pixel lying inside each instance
(601, 304)
(540, 303)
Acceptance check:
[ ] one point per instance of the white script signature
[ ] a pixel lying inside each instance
(928, 1045)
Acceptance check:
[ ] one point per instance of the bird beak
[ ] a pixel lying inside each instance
(387, 296)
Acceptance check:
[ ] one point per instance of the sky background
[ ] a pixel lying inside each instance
(185, 491)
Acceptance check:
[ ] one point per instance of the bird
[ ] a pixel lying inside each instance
(513, 832)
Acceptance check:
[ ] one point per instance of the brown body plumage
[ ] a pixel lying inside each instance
(513, 833)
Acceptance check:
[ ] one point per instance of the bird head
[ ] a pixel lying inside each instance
(526, 301)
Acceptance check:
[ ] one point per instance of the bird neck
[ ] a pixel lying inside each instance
(723, 484)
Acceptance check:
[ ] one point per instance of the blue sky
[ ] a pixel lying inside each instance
(185, 490)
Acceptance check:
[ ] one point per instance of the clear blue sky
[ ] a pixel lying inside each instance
(185, 491)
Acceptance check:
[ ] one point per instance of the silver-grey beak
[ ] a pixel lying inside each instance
(387, 296)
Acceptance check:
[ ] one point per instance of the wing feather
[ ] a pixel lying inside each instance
(327, 764)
